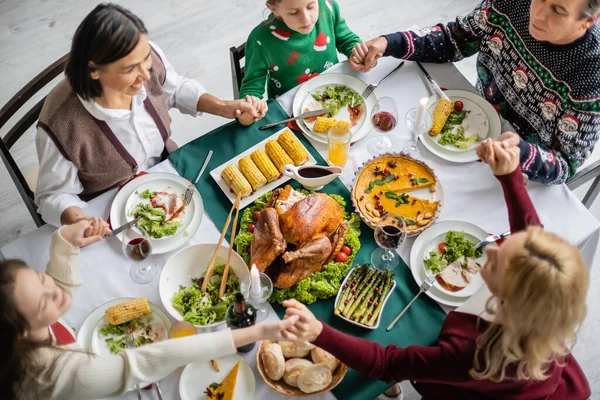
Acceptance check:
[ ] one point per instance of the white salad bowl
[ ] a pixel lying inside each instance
(190, 263)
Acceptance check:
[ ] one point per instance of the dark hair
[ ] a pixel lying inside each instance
(107, 34)
(15, 352)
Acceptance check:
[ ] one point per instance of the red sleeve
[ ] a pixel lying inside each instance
(521, 212)
(443, 362)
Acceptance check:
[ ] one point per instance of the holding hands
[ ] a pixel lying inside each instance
(250, 110)
(365, 55)
(84, 232)
(502, 154)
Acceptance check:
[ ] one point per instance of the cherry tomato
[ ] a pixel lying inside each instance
(442, 247)
(319, 268)
(251, 228)
(346, 249)
(458, 105)
(341, 257)
(255, 215)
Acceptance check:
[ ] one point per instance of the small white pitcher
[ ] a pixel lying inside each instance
(312, 177)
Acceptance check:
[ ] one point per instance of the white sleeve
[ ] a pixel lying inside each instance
(58, 184)
(63, 265)
(182, 93)
(78, 375)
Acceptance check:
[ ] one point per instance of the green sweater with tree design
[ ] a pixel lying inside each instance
(279, 58)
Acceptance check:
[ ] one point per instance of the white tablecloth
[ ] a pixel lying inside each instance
(472, 194)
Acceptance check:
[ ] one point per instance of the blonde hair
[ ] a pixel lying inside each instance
(540, 306)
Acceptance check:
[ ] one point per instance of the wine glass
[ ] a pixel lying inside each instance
(137, 247)
(338, 144)
(384, 118)
(390, 233)
(411, 147)
(258, 300)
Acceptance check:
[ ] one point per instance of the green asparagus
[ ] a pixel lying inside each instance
(355, 278)
(361, 297)
(373, 299)
(364, 304)
(356, 292)
(380, 300)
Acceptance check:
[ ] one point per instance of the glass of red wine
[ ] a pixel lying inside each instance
(384, 118)
(137, 247)
(390, 233)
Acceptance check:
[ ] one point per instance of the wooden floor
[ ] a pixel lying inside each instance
(196, 36)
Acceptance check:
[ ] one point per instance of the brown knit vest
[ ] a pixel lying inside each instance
(101, 160)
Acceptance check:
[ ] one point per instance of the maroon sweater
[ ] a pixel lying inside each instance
(441, 371)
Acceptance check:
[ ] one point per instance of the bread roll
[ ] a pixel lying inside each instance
(295, 350)
(293, 369)
(314, 378)
(273, 361)
(320, 356)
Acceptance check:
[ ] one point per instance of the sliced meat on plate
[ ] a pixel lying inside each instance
(170, 201)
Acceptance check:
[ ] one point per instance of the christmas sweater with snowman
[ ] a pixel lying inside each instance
(549, 93)
(280, 58)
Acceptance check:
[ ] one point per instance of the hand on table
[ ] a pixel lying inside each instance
(83, 232)
(365, 55)
(307, 327)
(259, 105)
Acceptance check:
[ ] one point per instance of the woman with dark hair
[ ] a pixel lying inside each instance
(37, 362)
(109, 119)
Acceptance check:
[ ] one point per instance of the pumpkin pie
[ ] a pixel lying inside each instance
(226, 388)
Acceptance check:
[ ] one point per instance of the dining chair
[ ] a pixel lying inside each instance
(584, 176)
(236, 54)
(17, 130)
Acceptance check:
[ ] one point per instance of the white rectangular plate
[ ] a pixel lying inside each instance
(216, 173)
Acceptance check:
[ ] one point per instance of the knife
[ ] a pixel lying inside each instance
(301, 116)
(435, 86)
(120, 229)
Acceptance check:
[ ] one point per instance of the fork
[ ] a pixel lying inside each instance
(131, 345)
(190, 189)
(373, 86)
(490, 240)
(425, 286)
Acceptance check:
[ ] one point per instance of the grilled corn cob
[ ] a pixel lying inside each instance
(128, 311)
(252, 173)
(236, 181)
(264, 163)
(293, 147)
(277, 154)
(324, 124)
(441, 113)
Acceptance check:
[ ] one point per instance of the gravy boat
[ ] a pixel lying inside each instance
(312, 177)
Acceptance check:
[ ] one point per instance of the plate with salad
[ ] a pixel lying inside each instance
(471, 121)
(157, 199)
(446, 250)
(340, 92)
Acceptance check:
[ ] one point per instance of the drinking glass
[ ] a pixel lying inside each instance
(411, 147)
(137, 247)
(338, 144)
(390, 233)
(384, 118)
(258, 301)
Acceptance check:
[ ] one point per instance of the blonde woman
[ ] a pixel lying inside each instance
(519, 348)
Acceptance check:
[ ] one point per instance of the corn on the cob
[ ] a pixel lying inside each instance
(441, 113)
(324, 124)
(264, 163)
(277, 154)
(293, 147)
(236, 181)
(128, 311)
(252, 173)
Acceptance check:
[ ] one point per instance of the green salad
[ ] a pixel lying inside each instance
(337, 97)
(322, 284)
(453, 132)
(118, 343)
(206, 308)
(456, 246)
(152, 219)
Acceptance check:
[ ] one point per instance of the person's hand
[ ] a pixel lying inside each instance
(503, 159)
(308, 327)
(98, 226)
(278, 331)
(357, 57)
(376, 50)
(235, 108)
(259, 105)
(484, 148)
(82, 233)
(509, 139)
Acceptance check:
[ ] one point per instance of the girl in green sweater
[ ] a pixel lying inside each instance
(297, 42)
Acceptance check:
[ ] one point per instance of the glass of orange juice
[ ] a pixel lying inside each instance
(181, 329)
(338, 140)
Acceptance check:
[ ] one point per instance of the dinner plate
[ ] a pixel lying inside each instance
(159, 185)
(118, 210)
(189, 263)
(320, 82)
(88, 337)
(427, 242)
(216, 173)
(196, 377)
(483, 120)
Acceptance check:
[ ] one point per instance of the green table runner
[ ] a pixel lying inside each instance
(420, 326)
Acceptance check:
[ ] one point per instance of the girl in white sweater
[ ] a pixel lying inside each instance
(32, 366)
